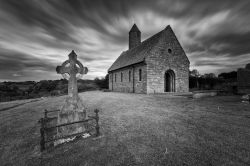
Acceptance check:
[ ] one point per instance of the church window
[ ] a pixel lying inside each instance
(121, 77)
(169, 51)
(139, 74)
(129, 75)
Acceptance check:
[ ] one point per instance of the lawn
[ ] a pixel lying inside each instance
(136, 129)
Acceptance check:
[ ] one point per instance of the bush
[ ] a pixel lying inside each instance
(103, 83)
(87, 87)
(30, 89)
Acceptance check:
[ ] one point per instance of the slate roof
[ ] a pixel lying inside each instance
(139, 53)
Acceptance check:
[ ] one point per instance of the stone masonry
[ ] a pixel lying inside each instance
(132, 85)
(160, 61)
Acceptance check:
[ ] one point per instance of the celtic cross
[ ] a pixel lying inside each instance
(72, 69)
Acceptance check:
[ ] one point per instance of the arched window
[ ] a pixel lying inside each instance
(129, 75)
(139, 74)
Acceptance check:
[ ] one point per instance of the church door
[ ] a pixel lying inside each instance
(169, 81)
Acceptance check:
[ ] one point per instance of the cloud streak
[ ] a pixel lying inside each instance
(36, 36)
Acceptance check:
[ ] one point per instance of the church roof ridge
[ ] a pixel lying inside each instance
(168, 26)
(139, 53)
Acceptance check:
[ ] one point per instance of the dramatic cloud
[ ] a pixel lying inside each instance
(36, 36)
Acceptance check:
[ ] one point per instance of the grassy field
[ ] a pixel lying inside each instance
(137, 130)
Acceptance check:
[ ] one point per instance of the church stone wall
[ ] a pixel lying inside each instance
(167, 56)
(126, 85)
(140, 86)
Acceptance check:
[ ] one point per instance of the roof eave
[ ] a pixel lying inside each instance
(143, 61)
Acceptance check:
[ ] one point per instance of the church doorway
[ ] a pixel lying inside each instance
(169, 81)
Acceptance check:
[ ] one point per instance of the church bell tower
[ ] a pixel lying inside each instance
(134, 37)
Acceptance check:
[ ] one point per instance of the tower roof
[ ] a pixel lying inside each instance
(134, 29)
(139, 53)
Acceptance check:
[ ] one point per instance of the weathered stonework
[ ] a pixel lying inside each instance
(132, 85)
(134, 37)
(160, 61)
(163, 62)
(72, 109)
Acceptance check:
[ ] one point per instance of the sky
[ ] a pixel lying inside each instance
(37, 35)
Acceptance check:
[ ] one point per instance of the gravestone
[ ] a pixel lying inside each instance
(243, 80)
(72, 109)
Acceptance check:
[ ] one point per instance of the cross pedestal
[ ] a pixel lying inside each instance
(73, 108)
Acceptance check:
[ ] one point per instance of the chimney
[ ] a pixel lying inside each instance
(134, 37)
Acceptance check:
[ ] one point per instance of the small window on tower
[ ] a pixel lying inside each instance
(169, 51)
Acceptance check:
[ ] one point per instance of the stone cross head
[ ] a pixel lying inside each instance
(70, 67)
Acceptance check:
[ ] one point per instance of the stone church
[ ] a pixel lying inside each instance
(156, 65)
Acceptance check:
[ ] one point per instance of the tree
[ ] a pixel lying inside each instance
(209, 75)
(194, 75)
(103, 83)
(229, 75)
(107, 81)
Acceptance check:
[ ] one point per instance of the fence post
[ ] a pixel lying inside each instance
(97, 127)
(42, 141)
